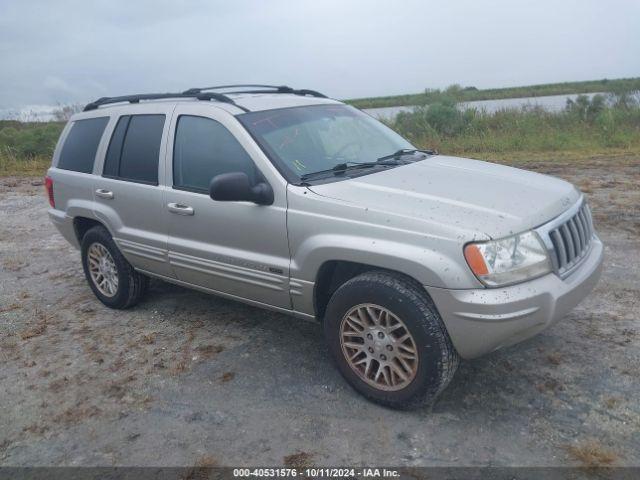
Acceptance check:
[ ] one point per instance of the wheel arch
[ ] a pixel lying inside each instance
(317, 258)
(334, 273)
(81, 225)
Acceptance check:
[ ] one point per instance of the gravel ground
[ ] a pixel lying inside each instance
(186, 378)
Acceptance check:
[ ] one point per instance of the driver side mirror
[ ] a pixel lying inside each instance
(236, 187)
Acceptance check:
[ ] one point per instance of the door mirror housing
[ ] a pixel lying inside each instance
(236, 187)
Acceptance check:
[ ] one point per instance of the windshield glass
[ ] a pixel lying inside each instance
(303, 140)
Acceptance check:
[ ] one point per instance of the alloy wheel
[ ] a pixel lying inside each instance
(102, 269)
(379, 347)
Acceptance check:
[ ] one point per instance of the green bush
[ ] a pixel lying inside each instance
(29, 139)
(586, 109)
(585, 124)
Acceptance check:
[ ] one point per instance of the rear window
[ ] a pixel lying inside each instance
(80, 147)
(134, 150)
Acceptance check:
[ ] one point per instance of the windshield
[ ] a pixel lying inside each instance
(304, 140)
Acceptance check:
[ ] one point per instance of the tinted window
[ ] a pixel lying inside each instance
(141, 149)
(112, 160)
(203, 148)
(80, 147)
(134, 149)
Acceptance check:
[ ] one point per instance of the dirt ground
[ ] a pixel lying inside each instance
(186, 378)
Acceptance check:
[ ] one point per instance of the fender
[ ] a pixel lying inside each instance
(428, 266)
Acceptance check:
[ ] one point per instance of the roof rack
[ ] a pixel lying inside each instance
(204, 94)
(157, 96)
(251, 88)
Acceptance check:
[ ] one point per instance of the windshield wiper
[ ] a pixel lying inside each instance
(407, 151)
(343, 167)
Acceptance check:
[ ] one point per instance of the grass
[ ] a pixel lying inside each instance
(591, 454)
(26, 147)
(585, 128)
(469, 94)
(39, 328)
(27, 166)
(298, 460)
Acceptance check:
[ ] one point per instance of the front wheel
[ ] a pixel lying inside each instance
(388, 340)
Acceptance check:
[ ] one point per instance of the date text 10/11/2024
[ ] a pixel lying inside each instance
(316, 472)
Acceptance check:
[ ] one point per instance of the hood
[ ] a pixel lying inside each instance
(477, 196)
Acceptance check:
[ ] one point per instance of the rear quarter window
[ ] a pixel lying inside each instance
(80, 147)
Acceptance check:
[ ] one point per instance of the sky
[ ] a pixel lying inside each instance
(62, 52)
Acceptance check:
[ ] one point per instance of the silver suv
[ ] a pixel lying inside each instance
(291, 201)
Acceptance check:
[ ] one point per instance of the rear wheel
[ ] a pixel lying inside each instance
(111, 277)
(389, 341)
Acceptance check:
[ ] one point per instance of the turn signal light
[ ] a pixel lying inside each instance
(475, 260)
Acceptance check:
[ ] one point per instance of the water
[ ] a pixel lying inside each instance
(553, 103)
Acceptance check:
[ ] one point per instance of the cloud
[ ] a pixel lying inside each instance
(75, 51)
(56, 84)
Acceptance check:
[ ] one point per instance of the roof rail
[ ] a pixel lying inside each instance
(203, 94)
(247, 88)
(157, 96)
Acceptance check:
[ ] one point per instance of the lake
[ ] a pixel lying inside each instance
(552, 103)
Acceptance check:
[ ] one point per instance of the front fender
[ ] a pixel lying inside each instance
(437, 266)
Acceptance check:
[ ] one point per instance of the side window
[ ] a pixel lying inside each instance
(80, 147)
(134, 150)
(112, 160)
(204, 148)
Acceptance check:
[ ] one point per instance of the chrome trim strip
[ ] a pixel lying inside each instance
(143, 255)
(141, 246)
(559, 244)
(576, 236)
(295, 313)
(295, 287)
(142, 250)
(568, 239)
(225, 270)
(583, 239)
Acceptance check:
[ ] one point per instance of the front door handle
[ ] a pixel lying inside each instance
(180, 209)
(102, 193)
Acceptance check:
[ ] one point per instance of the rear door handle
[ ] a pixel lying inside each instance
(180, 209)
(102, 193)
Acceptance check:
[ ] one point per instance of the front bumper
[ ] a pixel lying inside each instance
(482, 320)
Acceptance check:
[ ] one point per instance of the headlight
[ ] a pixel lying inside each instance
(508, 260)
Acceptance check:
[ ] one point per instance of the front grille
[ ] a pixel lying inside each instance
(571, 240)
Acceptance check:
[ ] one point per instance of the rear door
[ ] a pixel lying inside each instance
(236, 248)
(128, 192)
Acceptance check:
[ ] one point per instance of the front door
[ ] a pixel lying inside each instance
(236, 248)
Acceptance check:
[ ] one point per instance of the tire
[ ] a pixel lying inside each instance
(131, 285)
(390, 297)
